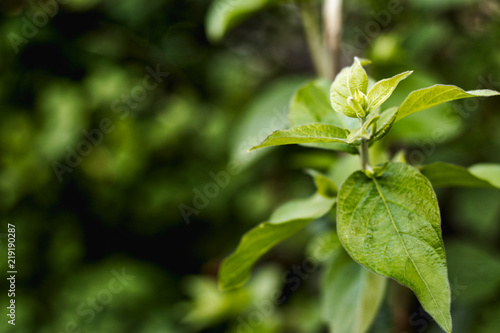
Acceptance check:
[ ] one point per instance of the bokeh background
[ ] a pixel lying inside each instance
(102, 242)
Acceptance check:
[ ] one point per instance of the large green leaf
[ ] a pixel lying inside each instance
(304, 134)
(351, 294)
(383, 89)
(391, 225)
(287, 220)
(443, 174)
(223, 15)
(311, 104)
(428, 97)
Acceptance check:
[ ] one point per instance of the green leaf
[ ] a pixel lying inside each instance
(383, 89)
(223, 15)
(266, 113)
(304, 134)
(344, 86)
(357, 78)
(326, 187)
(298, 209)
(391, 225)
(487, 171)
(324, 245)
(443, 174)
(287, 220)
(384, 124)
(352, 295)
(428, 97)
(311, 104)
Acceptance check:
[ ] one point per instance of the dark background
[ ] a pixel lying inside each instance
(118, 209)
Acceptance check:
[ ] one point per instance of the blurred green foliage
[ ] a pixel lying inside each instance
(118, 207)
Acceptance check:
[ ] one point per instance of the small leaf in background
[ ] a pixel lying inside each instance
(352, 295)
(297, 209)
(392, 226)
(311, 104)
(304, 134)
(223, 15)
(487, 171)
(428, 97)
(287, 220)
(236, 269)
(266, 113)
(444, 174)
(326, 187)
(324, 245)
(383, 89)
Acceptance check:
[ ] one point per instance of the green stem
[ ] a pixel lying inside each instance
(363, 150)
(365, 158)
(320, 54)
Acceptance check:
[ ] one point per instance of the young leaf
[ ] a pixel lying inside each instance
(311, 104)
(357, 78)
(428, 97)
(392, 226)
(351, 294)
(287, 220)
(304, 134)
(223, 15)
(339, 92)
(383, 89)
(384, 124)
(443, 174)
(344, 86)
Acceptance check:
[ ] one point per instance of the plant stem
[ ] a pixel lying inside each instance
(365, 158)
(321, 57)
(363, 151)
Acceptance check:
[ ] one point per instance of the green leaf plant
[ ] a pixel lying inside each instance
(387, 215)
